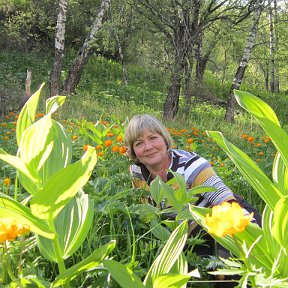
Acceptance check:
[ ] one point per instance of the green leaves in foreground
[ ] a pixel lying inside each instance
(168, 269)
(266, 252)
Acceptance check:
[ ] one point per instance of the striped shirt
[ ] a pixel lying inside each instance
(196, 171)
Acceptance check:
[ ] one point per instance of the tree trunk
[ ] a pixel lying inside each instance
(55, 76)
(271, 50)
(76, 69)
(171, 104)
(122, 60)
(230, 109)
(187, 88)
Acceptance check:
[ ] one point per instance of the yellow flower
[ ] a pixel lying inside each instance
(227, 218)
(9, 229)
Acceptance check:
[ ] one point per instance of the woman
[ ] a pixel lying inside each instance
(149, 146)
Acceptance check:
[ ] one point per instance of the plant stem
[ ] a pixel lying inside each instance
(60, 261)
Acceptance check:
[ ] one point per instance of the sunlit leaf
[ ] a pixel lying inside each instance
(280, 174)
(13, 209)
(89, 263)
(62, 186)
(27, 114)
(72, 226)
(122, 274)
(53, 103)
(169, 254)
(250, 170)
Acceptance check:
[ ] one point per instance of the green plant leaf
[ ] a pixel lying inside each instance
(255, 106)
(169, 193)
(62, 186)
(267, 119)
(171, 280)
(13, 209)
(249, 169)
(253, 234)
(72, 226)
(169, 254)
(31, 179)
(89, 263)
(45, 148)
(53, 103)
(122, 274)
(280, 227)
(155, 190)
(280, 174)
(27, 114)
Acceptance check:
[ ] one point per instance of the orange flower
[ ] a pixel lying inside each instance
(6, 138)
(85, 147)
(244, 136)
(250, 139)
(74, 137)
(211, 163)
(119, 138)
(115, 148)
(100, 154)
(227, 219)
(189, 140)
(261, 153)
(4, 124)
(8, 132)
(258, 144)
(39, 115)
(99, 147)
(7, 117)
(122, 150)
(221, 164)
(110, 134)
(6, 182)
(107, 143)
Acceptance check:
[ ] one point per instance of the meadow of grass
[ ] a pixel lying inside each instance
(102, 101)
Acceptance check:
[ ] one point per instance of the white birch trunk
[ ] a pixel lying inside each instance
(75, 70)
(230, 109)
(59, 48)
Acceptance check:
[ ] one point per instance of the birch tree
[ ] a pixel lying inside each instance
(76, 68)
(55, 76)
(230, 108)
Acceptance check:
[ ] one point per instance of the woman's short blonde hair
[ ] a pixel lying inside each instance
(137, 125)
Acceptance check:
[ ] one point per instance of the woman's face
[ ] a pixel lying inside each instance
(150, 149)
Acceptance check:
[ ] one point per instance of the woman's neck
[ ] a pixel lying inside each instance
(160, 170)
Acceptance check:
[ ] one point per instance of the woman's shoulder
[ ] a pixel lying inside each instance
(184, 153)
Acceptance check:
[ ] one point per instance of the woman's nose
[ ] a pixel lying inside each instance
(147, 145)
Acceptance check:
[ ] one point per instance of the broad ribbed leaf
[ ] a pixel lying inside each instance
(171, 280)
(89, 263)
(169, 254)
(250, 170)
(159, 231)
(13, 209)
(267, 119)
(155, 190)
(252, 233)
(72, 226)
(280, 174)
(123, 275)
(31, 180)
(27, 114)
(45, 148)
(53, 103)
(255, 106)
(280, 227)
(169, 194)
(62, 186)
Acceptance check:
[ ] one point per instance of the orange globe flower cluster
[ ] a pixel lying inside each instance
(9, 229)
(227, 219)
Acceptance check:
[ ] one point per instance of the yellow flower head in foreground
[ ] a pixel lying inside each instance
(227, 218)
(9, 229)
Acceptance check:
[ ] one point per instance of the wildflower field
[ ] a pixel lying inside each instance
(69, 216)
